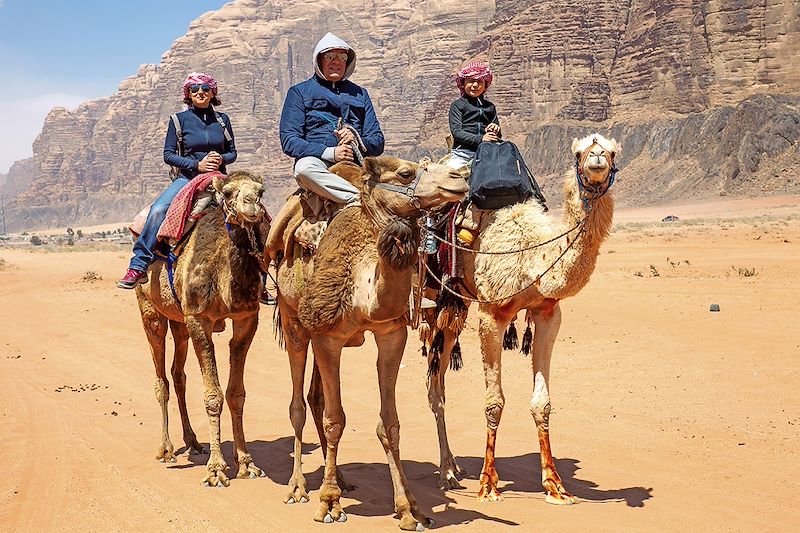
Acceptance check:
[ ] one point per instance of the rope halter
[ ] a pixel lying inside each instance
(589, 191)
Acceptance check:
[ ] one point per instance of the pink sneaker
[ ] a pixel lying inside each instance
(132, 278)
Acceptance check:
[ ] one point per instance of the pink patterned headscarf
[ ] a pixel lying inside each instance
(199, 78)
(476, 70)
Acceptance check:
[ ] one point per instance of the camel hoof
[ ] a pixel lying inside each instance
(328, 519)
(420, 527)
(489, 495)
(289, 501)
(561, 499)
(449, 482)
(167, 460)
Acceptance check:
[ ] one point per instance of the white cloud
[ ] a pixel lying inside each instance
(22, 122)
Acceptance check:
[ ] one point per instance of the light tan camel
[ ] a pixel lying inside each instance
(217, 276)
(361, 281)
(533, 280)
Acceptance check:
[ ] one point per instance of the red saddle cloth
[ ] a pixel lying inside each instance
(181, 207)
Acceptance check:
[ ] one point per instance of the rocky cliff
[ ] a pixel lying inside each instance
(704, 95)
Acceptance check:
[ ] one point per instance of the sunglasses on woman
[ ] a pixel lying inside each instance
(196, 87)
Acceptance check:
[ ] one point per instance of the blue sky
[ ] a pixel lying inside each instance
(64, 52)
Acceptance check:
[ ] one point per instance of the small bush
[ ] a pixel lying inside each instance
(92, 276)
(745, 272)
(36, 240)
(654, 271)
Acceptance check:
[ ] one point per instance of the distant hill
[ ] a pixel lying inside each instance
(703, 96)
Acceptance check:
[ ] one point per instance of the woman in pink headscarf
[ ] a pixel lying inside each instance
(203, 144)
(473, 118)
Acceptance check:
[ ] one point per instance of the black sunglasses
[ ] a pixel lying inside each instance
(196, 87)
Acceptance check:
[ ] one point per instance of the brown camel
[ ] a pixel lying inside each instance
(217, 276)
(533, 280)
(359, 280)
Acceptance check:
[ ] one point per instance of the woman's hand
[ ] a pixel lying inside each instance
(494, 128)
(490, 136)
(210, 162)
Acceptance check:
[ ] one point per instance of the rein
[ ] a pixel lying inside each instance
(570, 244)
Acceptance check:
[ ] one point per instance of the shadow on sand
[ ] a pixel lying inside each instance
(373, 495)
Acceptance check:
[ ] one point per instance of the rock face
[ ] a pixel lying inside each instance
(704, 95)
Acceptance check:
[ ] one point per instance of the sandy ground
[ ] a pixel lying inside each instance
(667, 417)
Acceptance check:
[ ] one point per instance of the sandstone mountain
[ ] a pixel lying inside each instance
(704, 95)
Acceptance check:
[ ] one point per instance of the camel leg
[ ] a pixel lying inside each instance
(155, 326)
(296, 339)
(181, 337)
(491, 330)
(327, 356)
(544, 339)
(448, 468)
(244, 329)
(390, 354)
(200, 332)
(317, 403)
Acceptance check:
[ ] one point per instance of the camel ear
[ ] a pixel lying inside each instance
(576, 143)
(615, 148)
(374, 166)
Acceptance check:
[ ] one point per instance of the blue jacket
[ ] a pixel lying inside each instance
(201, 134)
(312, 109)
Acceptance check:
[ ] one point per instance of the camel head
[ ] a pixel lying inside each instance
(241, 197)
(595, 159)
(403, 188)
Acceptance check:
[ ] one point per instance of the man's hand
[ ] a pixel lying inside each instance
(210, 162)
(343, 152)
(345, 136)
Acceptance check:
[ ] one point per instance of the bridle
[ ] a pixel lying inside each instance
(232, 217)
(409, 190)
(590, 192)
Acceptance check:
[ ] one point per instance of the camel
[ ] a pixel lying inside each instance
(217, 276)
(557, 261)
(359, 280)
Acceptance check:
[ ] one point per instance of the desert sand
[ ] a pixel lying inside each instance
(666, 416)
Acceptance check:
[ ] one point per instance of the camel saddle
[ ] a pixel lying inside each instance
(301, 223)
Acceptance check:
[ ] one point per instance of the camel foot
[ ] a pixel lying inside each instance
(449, 474)
(166, 454)
(489, 494)
(216, 474)
(409, 523)
(329, 513)
(297, 490)
(560, 497)
(248, 469)
(194, 447)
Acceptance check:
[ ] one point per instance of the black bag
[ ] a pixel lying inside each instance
(500, 177)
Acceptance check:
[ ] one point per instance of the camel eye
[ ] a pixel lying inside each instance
(227, 192)
(405, 172)
(260, 192)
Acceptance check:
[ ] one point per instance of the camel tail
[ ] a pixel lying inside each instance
(277, 327)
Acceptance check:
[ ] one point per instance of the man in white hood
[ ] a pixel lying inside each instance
(310, 122)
